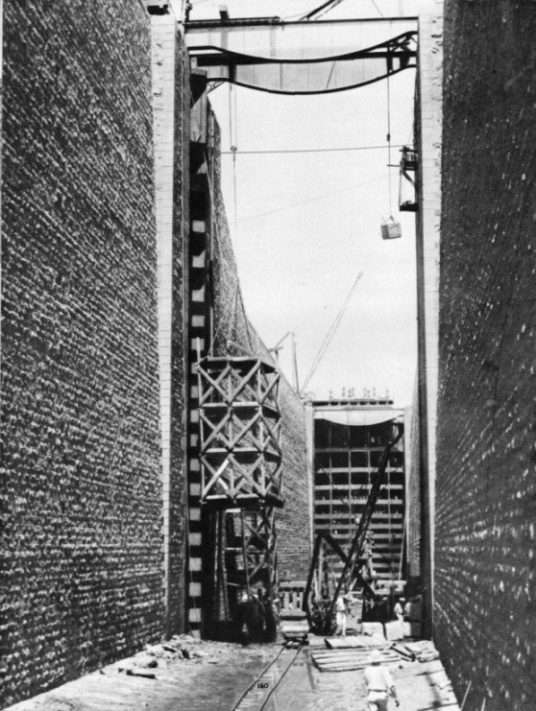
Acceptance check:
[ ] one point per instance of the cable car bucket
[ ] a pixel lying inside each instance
(391, 229)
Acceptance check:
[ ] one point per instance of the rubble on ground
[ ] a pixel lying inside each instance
(180, 648)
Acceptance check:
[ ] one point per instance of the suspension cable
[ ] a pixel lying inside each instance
(389, 134)
(233, 145)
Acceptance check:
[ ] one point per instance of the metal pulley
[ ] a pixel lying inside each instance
(408, 167)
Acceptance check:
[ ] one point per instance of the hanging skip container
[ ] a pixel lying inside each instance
(391, 229)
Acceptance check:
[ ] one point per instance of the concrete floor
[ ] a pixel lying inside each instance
(217, 674)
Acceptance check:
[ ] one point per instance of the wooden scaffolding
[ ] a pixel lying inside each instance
(241, 470)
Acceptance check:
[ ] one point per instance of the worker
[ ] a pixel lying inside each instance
(255, 616)
(271, 617)
(379, 684)
(241, 618)
(340, 614)
(399, 609)
(383, 613)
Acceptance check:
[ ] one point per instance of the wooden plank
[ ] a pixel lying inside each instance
(362, 663)
(355, 642)
(363, 659)
(345, 662)
(145, 673)
(346, 642)
(292, 584)
(354, 654)
(325, 659)
(341, 652)
(346, 666)
(352, 667)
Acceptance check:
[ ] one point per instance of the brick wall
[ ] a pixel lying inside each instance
(231, 323)
(293, 522)
(486, 483)
(81, 503)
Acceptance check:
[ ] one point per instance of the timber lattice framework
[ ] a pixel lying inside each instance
(240, 428)
(241, 469)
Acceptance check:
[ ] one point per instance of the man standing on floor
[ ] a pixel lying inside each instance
(379, 684)
(340, 614)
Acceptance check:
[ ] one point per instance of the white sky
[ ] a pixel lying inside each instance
(307, 224)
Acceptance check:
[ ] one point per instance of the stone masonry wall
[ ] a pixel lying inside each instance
(81, 497)
(485, 578)
(231, 323)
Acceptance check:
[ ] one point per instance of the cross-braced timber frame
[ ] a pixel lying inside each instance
(242, 560)
(240, 432)
(259, 540)
(241, 470)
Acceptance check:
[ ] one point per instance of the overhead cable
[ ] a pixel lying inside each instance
(389, 142)
(310, 150)
(377, 8)
(312, 199)
(233, 144)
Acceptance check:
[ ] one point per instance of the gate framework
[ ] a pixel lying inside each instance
(241, 470)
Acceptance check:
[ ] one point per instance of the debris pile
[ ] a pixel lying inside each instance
(180, 648)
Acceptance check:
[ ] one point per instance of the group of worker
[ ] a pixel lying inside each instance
(383, 611)
(378, 679)
(257, 622)
(256, 618)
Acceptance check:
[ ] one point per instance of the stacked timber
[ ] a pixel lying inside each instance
(375, 641)
(350, 653)
(338, 660)
(424, 650)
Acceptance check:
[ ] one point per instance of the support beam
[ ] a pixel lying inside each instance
(240, 428)
(302, 57)
(170, 168)
(429, 122)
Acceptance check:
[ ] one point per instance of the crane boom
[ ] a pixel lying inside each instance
(329, 335)
(322, 9)
(350, 559)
